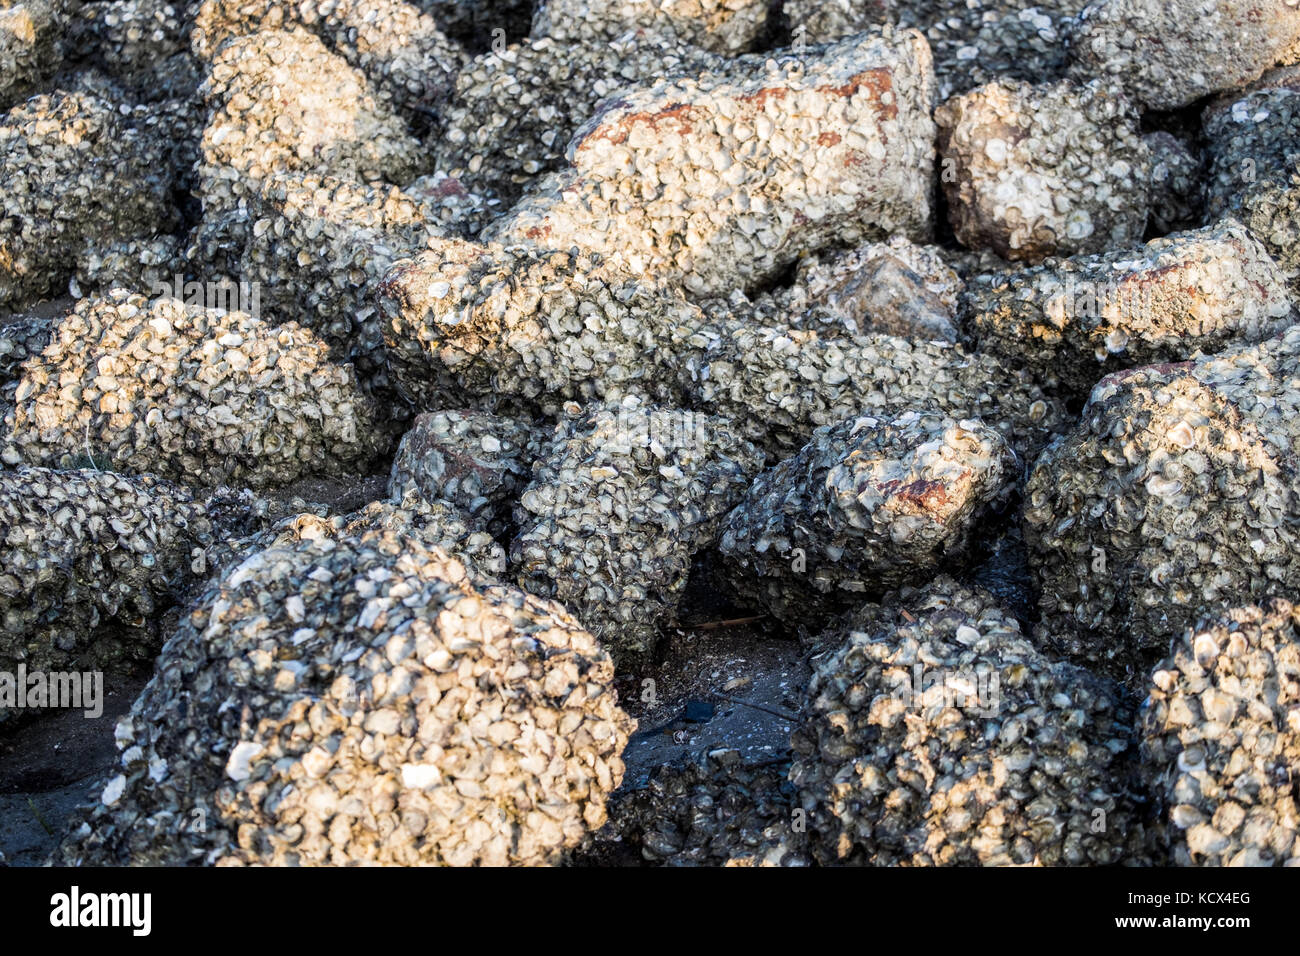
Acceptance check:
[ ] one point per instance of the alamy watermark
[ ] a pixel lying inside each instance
(224, 295)
(977, 690)
(70, 690)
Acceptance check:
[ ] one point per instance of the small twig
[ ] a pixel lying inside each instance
(766, 710)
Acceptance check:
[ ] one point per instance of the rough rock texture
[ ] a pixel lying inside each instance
(360, 701)
(21, 337)
(1177, 183)
(395, 44)
(1033, 171)
(464, 318)
(1221, 740)
(779, 384)
(725, 178)
(192, 394)
(31, 45)
(725, 26)
(1169, 53)
(1254, 150)
(75, 172)
(865, 506)
(131, 40)
(515, 109)
(619, 501)
(140, 265)
(282, 101)
(1074, 320)
(897, 287)
(316, 247)
(973, 42)
(83, 548)
(1176, 493)
(936, 734)
(478, 461)
(715, 812)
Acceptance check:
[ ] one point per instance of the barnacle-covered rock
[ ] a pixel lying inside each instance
(135, 41)
(1177, 183)
(973, 42)
(490, 321)
(1254, 149)
(316, 247)
(717, 811)
(514, 110)
(620, 500)
(281, 101)
(21, 337)
(151, 264)
(187, 393)
(395, 44)
(73, 172)
(724, 26)
(865, 506)
(779, 384)
(1221, 740)
(83, 548)
(450, 204)
(478, 461)
(1169, 53)
(725, 178)
(361, 701)
(1176, 493)
(1033, 171)
(898, 288)
(1074, 320)
(31, 45)
(937, 735)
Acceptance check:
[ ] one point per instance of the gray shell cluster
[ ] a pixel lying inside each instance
(361, 701)
(81, 549)
(936, 734)
(865, 506)
(1169, 53)
(1074, 320)
(700, 177)
(477, 461)
(196, 395)
(105, 174)
(1221, 740)
(143, 44)
(723, 26)
(1033, 171)
(31, 45)
(619, 501)
(717, 811)
(1176, 493)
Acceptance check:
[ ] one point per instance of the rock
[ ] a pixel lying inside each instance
(31, 45)
(198, 395)
(82, 548)
(131, 40)
(395, 44)
(1170, 53)
(1220, 735)
(150, 264)
(865, 506)
(714, 812)
(360, 701)
(1255, 169)
(103, 171)
(1034, 171)
(1074, 320)
(779, 384)
(1177, 183)
(619, 501)
(478, 461)
(937, 735)
(710, 179)
(493, 322)
(282, 102)
(724, 26)
(1176, 493)
(515, 109)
